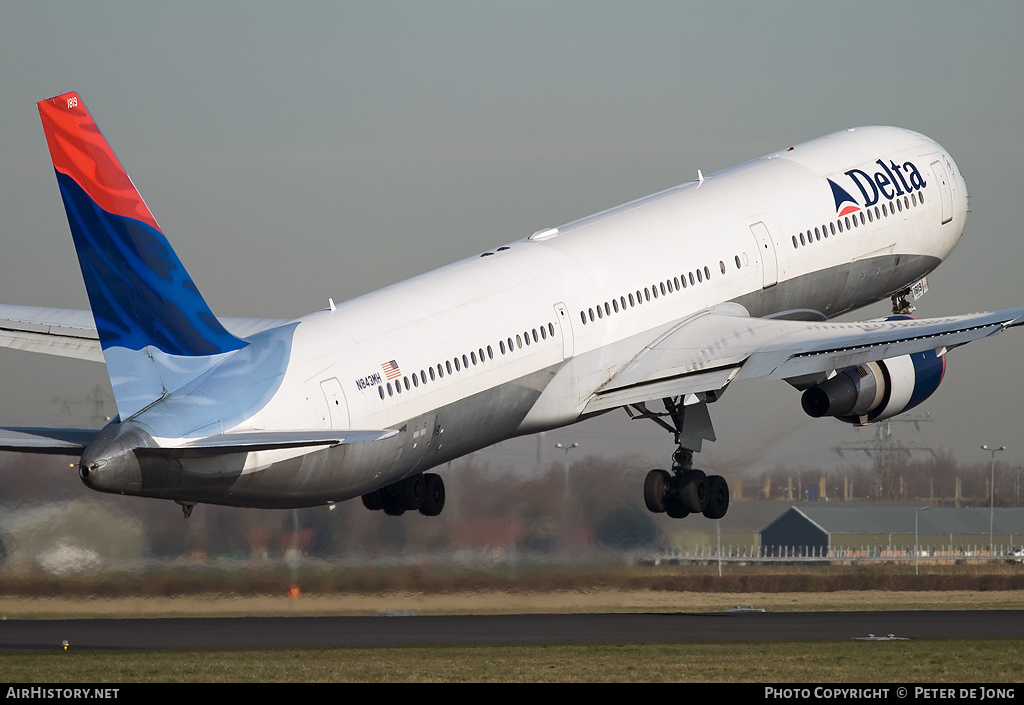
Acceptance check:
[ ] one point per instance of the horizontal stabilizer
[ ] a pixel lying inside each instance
(71, 333)
(46, 441)
(53, 331)
(248, 442)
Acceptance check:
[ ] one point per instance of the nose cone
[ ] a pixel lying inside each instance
(109, 463)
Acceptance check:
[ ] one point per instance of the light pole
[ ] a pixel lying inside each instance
(567, 448)
(992, 493)
(917, 546)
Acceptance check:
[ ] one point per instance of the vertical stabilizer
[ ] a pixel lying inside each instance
(156, 330)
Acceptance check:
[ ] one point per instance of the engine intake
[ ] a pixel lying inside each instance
(876, 390)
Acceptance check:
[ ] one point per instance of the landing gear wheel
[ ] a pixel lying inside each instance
(693, 490)
(393, 505)
(718, 497)
(373, 501)
(410, 492)
(656, 489)
(674, 507)
(433, 495)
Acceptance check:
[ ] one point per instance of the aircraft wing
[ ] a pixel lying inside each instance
(72, 333)
(710, 350)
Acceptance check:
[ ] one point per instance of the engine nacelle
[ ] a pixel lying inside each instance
(876, 390)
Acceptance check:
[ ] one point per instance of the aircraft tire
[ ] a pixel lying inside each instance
(393, 506)
(718, 497)
(693, 491)
(674, 507)
(433, 495)
(373, 501)
(656, 489)
(411, 492)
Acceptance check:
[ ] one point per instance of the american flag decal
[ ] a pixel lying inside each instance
(391, 369)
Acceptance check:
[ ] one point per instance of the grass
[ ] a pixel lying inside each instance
(647, 589)
(921, 661)
(498, 602)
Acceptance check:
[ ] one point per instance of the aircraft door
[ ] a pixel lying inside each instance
(565, 325)
(335, 402)
(944, 192)
(769, 260)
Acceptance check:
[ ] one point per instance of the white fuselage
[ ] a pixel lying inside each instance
(518, 339)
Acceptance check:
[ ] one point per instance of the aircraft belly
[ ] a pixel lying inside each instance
(347, 471)
(842, 288)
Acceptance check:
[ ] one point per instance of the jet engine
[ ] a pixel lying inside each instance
(876, 390)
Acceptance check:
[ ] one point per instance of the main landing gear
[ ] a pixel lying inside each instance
(423, 492)
(684, 490)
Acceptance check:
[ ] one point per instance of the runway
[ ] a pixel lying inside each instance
(405, 630)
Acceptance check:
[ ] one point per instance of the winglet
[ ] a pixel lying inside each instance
(143, 301)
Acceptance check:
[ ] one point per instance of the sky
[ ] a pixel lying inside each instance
(298, 151)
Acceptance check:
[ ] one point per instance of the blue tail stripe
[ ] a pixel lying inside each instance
(139, 290)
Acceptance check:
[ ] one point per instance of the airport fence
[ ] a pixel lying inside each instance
(845, 555)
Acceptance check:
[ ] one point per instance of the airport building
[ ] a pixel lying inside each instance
(825, 530)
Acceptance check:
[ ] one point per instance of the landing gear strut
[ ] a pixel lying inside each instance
(900, 305)
(684, 490)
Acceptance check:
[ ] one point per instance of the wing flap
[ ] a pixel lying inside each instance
(825, 347)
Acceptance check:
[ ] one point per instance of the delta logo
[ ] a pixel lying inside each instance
(890, 181)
